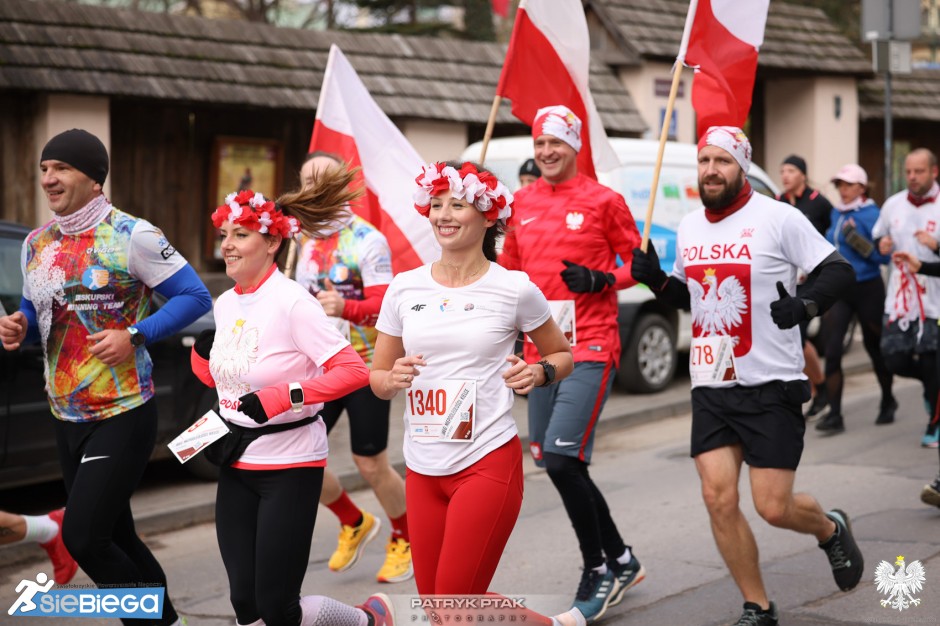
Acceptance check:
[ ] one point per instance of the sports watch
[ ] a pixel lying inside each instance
(549, 373)
(296, 397)
(137, 338)
(812, 309)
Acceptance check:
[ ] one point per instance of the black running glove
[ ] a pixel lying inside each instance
(250, 405)
(788, 311)
(646, 269)
(583, 280)
(204, 341)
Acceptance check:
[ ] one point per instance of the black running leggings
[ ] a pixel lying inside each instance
(866, 302)
(597, 534)
(102, 462)
(264, 522)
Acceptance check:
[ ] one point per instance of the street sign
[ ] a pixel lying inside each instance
(890, 19)
(891, 56)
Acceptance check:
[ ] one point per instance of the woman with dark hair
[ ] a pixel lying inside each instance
(446, 336)
(275, 359)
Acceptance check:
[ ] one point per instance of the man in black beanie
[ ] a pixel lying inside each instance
(81, 150)
(818, 211)
(88, 275)
(528, 173)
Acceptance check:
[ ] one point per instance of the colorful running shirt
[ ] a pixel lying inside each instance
(910, 297)
(731, 268)
(275, 334)
(87, 282)
(355, 257)
(465, 334)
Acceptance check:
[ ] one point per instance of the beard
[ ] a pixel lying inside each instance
(725, 196)
(920, 190)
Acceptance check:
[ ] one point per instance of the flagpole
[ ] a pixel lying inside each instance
(291, 258)
(489, 127)
(667, 116)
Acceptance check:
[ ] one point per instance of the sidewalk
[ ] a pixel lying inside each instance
(159, 509)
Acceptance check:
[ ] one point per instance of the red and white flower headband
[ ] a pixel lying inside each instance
(478, 187)
(253, 211)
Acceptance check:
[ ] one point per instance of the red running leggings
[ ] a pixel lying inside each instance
(459, 524)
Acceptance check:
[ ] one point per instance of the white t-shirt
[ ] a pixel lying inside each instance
(464, 333)
(899, 219)
(732, 268)
(276, 334)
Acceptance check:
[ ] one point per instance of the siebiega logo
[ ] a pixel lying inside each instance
(38, 599)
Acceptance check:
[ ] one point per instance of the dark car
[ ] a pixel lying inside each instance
(27, 441)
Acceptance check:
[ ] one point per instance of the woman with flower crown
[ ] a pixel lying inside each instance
(275, 358)
(446, 337)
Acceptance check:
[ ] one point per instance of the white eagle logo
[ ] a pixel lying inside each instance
(717, 308)
(232, 357)
(900, 585)
(574, 220)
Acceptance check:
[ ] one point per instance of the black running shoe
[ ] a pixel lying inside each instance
(844, 556)
(820, 402)
(755, 616)
(830, 425)
(886, 414)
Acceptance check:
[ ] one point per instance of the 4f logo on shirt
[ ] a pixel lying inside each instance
(418, 307)
(747, 232)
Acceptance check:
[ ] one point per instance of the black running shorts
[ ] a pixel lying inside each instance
(767, 421)
(368, 420)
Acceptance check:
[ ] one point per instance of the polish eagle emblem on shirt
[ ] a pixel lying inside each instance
(900, 585)
(717, 307)
(232, 356)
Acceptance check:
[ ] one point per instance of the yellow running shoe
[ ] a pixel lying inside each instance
(397, 567)
(352, 540)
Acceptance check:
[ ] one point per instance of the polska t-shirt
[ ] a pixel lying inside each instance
(464, 333)
(732, 267)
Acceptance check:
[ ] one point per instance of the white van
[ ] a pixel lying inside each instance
(651, 332)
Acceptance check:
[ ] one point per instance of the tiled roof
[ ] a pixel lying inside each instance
(73, 48)
(914, 96)
(797, 38)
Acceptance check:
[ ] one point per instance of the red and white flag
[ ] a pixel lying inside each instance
(351, 125)
(720, 41)
(548, 63)
(501, 8)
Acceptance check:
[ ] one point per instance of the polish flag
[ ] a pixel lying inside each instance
(720, 41)
(351, 125)
(547, 64)
(501, 8)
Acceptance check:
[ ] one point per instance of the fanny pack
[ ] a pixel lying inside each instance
(232, 446)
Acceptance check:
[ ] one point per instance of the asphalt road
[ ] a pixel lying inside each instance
(642, 466)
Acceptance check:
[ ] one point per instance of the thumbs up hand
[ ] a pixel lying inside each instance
(788, 311)
(331, 300)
